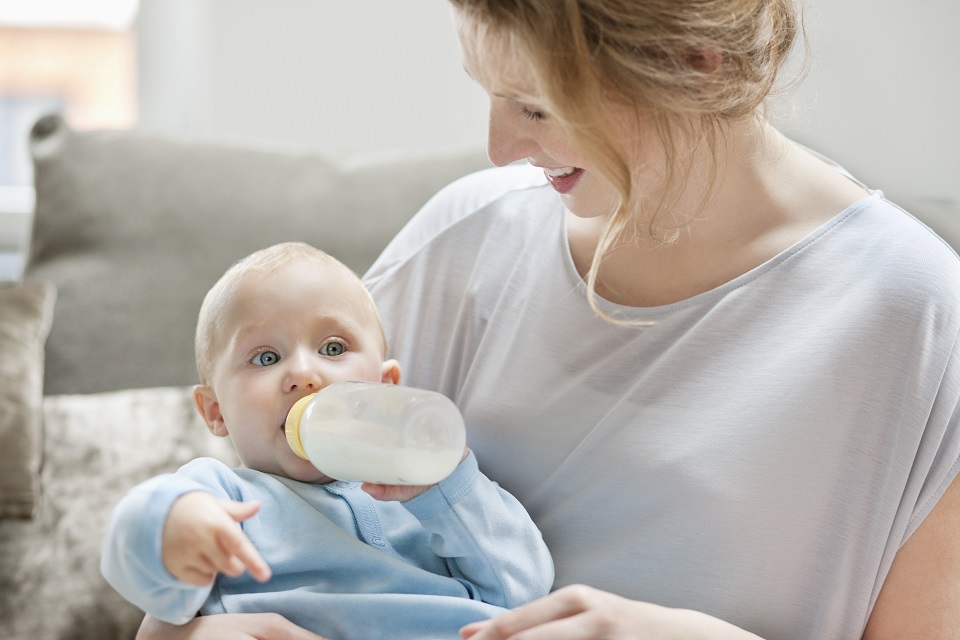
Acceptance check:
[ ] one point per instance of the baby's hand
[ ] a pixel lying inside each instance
(201, 538)
(400, 492)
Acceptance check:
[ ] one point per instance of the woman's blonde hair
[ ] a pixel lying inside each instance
(688, 67)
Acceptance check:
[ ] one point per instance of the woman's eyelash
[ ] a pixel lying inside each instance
(530, 114)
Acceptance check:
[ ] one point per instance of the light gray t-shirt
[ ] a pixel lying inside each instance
(760, 453)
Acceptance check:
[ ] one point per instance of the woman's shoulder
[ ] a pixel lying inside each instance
(905, 238)
(489, 191)
(925, 223)
(476, 192)
(899, 256)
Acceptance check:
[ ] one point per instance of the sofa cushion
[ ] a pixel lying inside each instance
(25, 315)
(135, 228)
(96, 447)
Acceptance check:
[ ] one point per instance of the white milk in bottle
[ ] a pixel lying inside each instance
(378, 432)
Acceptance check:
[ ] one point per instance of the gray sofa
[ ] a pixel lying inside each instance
(130, 231)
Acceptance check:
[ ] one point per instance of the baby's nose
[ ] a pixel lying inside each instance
(303, 375)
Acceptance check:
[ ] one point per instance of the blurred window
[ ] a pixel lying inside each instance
(76, 58)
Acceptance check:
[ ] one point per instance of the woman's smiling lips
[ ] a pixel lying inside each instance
(563, 179)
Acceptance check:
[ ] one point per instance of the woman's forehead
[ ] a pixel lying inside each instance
(496, 61)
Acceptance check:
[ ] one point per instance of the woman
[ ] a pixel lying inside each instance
(717, 370)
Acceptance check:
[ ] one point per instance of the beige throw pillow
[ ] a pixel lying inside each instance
(26, 312)
(96, 447)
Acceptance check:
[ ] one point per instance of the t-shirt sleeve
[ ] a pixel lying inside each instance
(938, 458)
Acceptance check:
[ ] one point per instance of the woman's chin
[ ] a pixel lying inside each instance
(586, 207)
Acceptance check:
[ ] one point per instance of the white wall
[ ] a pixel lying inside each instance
(882, 96)
(356, 75)
(883, 93)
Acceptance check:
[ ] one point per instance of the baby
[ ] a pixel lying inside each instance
(276, 534)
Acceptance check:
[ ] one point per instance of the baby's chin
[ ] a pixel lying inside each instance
(297, 469)
(303, 471)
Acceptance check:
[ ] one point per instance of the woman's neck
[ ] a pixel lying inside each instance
(768, 194)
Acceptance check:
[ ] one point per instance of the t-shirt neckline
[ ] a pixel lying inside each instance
(640, 313)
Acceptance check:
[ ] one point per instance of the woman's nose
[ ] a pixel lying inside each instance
(507, 140)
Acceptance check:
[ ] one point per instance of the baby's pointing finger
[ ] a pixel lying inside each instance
(241, 554)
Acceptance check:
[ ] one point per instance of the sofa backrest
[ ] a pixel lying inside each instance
(134, 228)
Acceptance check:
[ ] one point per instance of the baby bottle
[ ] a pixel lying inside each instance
(378, 432)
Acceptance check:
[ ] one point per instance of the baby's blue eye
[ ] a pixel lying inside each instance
(265, 358)
(332, 349)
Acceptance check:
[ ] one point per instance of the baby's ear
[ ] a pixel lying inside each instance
(209, 408)
(390, 372)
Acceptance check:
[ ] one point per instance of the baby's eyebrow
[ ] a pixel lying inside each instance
(334, 321)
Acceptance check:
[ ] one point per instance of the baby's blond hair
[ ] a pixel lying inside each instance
(211, 320)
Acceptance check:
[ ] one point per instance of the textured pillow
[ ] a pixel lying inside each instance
(96, 447)
(134, 229)
(25, 315)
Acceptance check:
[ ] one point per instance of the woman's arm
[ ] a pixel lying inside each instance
(584, 613)
(920, 597)
(228, 626)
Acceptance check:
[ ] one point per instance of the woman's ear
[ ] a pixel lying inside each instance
(390, 372)
(209, 408)
(706, 61)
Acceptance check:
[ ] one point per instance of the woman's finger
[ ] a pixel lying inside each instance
(559, 605)
(235, 626)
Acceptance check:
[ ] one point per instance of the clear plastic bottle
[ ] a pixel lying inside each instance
(378, 432)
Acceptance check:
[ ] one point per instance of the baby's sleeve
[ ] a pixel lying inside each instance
(131, 558)
(487, 538)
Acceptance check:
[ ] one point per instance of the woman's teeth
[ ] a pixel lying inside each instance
(561, 172)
